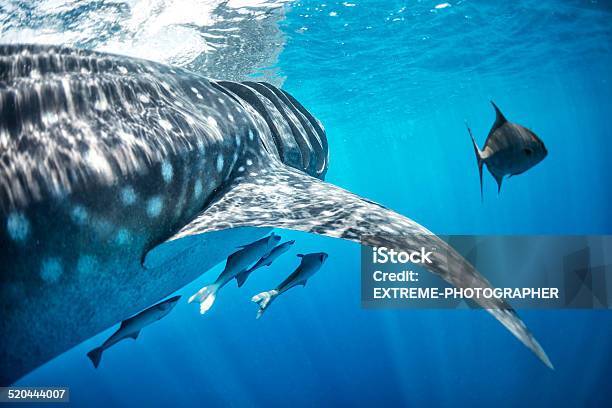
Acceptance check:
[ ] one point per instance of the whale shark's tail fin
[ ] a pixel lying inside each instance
(95, 356)
(479, 158)
(264, 299)
(282, 197)
(205, 297)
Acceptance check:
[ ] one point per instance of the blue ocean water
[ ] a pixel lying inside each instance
(393, 83)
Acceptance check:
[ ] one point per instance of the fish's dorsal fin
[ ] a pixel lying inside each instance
(282, 197)
(500, 119)
(242, 277)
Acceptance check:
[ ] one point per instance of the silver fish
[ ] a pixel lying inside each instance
(310, 264)
(509, 150)
(237, 263)
(265, 261)
(131, 327)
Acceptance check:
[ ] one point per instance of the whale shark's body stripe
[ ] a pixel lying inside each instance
(104, 159)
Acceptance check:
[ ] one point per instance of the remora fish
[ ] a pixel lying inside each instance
(509, 150)
(131, 327)
(237, 263)
(265, 261)
(310, 264)
(106, 161)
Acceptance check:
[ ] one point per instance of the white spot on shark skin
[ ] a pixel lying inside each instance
(197, 188)
(79, 215)
(230, 117)
(249, 162)
(212, 122)
(240, 169)
(199, 96)
(167, 171)
(51, 270)
(86, 265)
(251, 136)
(128, 196)
(101, 104)
(200, 144)
(219, 163)
(18, 226)
(123, 236)
(122, 69)
(154, 206)
(165, 124)
(194, 90)
(143, 98)
(98, 162)
(238, 141)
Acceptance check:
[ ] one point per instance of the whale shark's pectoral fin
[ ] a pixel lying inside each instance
(281, 197)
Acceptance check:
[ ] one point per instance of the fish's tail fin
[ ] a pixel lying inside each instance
(95, 356)
(264, 299)
(205, 297)
(478, 158)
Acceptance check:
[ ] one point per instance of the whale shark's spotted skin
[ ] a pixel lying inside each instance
(106, 159)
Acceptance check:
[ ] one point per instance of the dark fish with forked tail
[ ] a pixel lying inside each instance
(265, 261)
(509, 150)
(131, 327)
(237, 263)
(310, 264)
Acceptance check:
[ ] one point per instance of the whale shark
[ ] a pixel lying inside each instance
(122, 180)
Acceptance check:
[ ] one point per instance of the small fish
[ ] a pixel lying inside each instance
(509, 150)
(131, 327)
(310, 264)
(236, 264)
(265, 261)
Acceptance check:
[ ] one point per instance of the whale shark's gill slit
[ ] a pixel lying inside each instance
(249, 96)
(315, 134)
(298, 134)
(313, 121)
(292, 200)
(273, 150)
